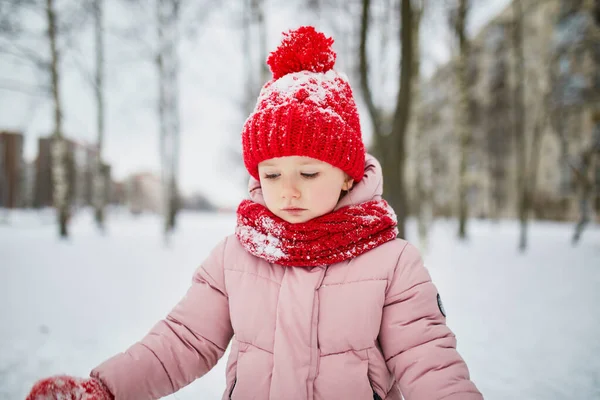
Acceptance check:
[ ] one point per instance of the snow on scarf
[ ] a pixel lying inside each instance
(330, 238)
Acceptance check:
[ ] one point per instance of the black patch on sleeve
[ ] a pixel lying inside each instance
(440, 305)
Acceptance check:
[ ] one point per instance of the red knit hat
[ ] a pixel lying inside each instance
(307, 109)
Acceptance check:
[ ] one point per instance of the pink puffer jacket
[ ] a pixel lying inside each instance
(362, 329)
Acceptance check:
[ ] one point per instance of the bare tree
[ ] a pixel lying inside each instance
(60, 35)
(99, 179)
(519, 122)
(423, 179)
(498, 120)
(389, 139)
(576, 37)
(254, 36)
(529, 127)
(584, 171)
(462, 119)
(59, 146)
(171, 18)
(167, 63)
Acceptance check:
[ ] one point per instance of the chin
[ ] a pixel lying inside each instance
(295, 220)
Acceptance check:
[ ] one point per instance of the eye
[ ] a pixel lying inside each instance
(309, 176)
(271, 176)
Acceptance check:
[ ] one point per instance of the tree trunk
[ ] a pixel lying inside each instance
(397, 185)
(168, 107)
(585, 186)
(262, 42)
(60, 182)
(462, 119)
(390, 146)
(534, 159)
(364, 80)
(255, 51)
(99, 187)
(423, 206)
(4, 195)
(519, 124)
(379, 137)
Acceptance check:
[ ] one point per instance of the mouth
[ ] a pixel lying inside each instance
(293, 210)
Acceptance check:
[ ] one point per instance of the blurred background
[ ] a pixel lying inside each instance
(120, 168)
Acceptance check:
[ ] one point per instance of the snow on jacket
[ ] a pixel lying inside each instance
(363, 329)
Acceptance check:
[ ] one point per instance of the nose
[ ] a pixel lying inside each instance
(289, 189)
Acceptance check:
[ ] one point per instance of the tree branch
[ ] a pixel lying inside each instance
(19, 87)
(403, 98)
(25, 54)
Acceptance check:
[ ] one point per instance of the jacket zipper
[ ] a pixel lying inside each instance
(232, 387)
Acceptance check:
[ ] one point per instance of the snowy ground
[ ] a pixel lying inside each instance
(527, 325)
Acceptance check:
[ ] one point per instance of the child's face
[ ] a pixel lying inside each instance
(298, 189)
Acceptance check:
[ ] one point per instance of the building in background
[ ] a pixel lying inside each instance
(84, 158)
(81, 158)
(11, 169)
(44, 189)
(143, 193)
(117, 193)
(562, 60)
(27, 184)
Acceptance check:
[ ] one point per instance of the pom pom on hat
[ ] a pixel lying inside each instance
(303, 49)
(307, 109)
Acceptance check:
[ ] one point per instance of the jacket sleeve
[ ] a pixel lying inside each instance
(182, 347)
(419, 349)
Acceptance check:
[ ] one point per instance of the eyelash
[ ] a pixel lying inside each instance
(307, 176)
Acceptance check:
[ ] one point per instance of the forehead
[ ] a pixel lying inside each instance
(291, 161)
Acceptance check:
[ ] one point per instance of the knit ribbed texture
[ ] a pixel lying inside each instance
(334, 237)
(308, 109)
(69, 387)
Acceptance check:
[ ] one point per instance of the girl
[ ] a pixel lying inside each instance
(320, 297)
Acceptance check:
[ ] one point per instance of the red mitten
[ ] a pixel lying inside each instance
(65, 387)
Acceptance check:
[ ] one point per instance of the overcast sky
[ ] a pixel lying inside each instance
(211, 83)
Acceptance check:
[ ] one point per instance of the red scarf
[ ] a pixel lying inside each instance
(330, 238)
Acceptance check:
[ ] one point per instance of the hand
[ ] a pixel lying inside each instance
(65, 387)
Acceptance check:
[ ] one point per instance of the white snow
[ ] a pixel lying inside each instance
(527, 325)
(264, 238)
(267, 246)
(317, 87)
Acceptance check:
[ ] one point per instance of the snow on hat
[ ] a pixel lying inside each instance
(307, 109)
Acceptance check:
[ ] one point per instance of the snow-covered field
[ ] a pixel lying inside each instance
(527, 325)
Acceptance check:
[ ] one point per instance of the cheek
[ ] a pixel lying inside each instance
(269, 191)
(327, 192)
